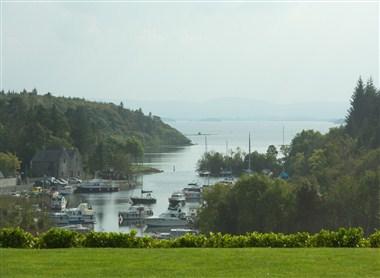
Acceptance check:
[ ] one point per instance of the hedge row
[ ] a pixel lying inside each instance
(59, 238)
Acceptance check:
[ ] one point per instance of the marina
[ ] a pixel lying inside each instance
(156, 203)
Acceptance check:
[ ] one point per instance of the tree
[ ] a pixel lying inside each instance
(9, 164)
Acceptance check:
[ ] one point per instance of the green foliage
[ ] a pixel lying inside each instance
(30, 122)
(237, 162)
(16, 238)
(28, 213)
(342, 238)
(374, 239)
(9, 164)
(60, 238)
(116, 240)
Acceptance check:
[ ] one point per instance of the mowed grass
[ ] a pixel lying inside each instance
(248, 262)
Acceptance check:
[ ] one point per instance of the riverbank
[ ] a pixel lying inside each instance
(144, 170)
(249, 262)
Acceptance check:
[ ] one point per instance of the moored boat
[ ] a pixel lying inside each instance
(58, 202)
(96, 186)
(192, 192)
(145, 199)
(135, 213)
(177, 198)
(168, 219)
(83, 214)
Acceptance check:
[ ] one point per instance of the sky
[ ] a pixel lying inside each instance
(274, 52)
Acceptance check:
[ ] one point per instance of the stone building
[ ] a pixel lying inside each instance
(59, 163)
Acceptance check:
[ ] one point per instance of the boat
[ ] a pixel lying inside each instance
(145, 198)
(168, 219)
(192, 192)
(66, 190)
(204, 173)
(177, 198)
(83, 214)
(77, 228)
(135, 213)
(96, 186)
(58, 202)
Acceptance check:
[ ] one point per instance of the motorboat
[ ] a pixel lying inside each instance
(146, 198)
(66, 190)
(96, 186)
(135, 213)
(168, 219)
(204, 173)
(192, 192)
(58, 202)
(78, 228)
(83, 214)
(177, 198)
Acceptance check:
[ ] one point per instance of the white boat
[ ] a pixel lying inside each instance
(77, 228)
(83, 214)
(135, 213)
(58, 202)
(177, 198)
(96, 186)
(192, 192)
(168, 219)
(66, 190)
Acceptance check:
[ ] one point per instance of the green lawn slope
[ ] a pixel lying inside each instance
(248, 262)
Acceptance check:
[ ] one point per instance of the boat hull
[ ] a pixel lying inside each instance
(143, 201)
(164, 222)
(96, 190)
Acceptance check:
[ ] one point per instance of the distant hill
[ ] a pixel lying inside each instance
(29, 122)
(242, 109)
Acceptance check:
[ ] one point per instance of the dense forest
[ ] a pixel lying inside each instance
(334, 180)
(104, 133)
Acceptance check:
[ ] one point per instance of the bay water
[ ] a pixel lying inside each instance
(179, 163)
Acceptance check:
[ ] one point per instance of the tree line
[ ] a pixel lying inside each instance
(106, 135)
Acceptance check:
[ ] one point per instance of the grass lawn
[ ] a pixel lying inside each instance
(249, 262)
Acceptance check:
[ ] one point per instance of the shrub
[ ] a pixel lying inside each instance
(60, 238)
(16, 238)
(351, 237)
(374, 239)
(116, 240)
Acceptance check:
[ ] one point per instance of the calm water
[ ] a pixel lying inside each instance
(179, 164)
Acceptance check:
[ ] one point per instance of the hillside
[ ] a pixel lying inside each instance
(29, 122)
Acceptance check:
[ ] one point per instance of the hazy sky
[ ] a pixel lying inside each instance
(191, 51)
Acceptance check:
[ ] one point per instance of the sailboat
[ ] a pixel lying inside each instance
(145, 198)
(249, 170)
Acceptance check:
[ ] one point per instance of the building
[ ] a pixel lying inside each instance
(59, 163)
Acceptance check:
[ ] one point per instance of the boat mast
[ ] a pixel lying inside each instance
(206, 144)
(249, 152)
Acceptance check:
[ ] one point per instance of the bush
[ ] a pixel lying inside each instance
(60, 238)
(16, 238)
(117, 240)
(374, 239)
(352, 237)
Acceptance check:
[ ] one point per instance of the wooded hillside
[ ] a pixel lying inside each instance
(30, 122)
